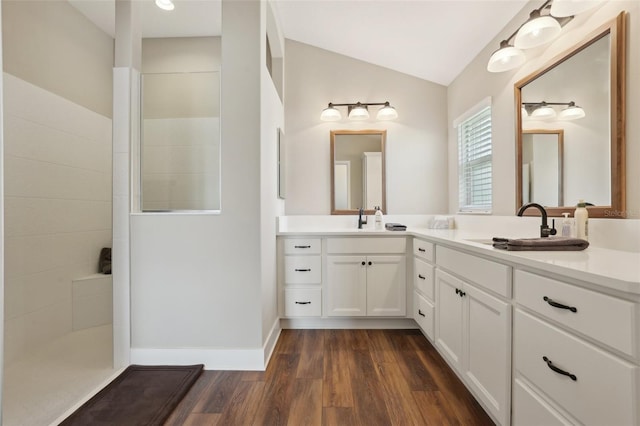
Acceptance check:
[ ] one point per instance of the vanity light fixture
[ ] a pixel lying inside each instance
(571, 112)
(540, 28)
(544, 111)
(165, 4)
(359, 111)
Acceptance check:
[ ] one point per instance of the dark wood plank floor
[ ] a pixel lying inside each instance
(336, 377)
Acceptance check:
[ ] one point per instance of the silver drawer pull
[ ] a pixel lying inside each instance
(303, 270)
(301, 246)
(303, 303)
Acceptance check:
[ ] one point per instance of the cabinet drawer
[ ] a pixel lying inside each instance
(529, 409)
(604, 391)
(491, 275)
(302, 302)
(424, 314)
(366, 245)
(302, 246)
(423, 249)
(302, 270)
(423, 277)
(604, 318)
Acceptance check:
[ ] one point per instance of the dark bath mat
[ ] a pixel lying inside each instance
(141, 395)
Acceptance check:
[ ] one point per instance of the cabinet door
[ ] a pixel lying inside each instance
(487, 349)
(449, 318)
(386, 286)
(346, 286)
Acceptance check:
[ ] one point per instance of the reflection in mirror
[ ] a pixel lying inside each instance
(180, 141)
(591, 161)
(542, 180)
(357, 171)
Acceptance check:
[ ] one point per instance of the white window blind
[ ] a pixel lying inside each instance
(474, 162)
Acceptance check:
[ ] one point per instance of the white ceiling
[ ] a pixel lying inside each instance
(430, 39)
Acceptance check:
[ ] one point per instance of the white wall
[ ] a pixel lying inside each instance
(52, 45)
(198, 282)
(416, 148)
(57, 209)
(57, 169)
(476, 83)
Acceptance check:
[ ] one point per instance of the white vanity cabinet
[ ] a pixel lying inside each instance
(473, 327)
(300, 272)
(366, 277)
(423, 286)
(575, 354)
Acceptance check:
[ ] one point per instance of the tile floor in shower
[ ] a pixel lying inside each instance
(41, 387)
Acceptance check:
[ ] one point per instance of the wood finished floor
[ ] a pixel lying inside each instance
(336, 377)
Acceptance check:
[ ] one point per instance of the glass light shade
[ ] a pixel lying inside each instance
(330, 114)
(543, 113)
(536, 32)
(165, 4)
(387, 112)
(564, 8)
(572, 112)
(525, 114)
(506, 58)
(359, 112)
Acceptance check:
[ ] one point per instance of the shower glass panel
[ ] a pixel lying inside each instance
(180, 142)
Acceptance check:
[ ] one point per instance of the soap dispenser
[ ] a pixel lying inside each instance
(566, 225)
(582, 221)
(379, 224)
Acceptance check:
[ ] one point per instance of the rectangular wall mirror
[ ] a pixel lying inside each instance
(357, 171)
(591, 164)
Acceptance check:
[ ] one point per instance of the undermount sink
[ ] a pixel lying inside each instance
(486, 241)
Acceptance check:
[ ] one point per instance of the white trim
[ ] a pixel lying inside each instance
(472, 111)
(270, 342)
(348, 323)
(213, 358)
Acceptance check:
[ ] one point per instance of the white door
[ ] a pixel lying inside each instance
(346, 286)
(386, 286)
(449, 317)
(487, 362)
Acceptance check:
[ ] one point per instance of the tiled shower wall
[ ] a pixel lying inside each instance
(57, 209)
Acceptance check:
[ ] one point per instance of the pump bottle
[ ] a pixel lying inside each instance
(581, 216)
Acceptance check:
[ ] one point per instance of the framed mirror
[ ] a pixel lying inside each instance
(358, 171)
(591, 163)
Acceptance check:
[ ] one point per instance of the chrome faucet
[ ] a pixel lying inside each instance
(361, 221)
(545, 231)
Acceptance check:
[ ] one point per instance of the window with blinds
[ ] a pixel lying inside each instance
(474, 162)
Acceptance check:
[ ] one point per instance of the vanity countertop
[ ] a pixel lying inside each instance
(614, 269)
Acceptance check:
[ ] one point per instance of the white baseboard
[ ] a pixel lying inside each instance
(346, 323)
(270, 342)
(213, 359)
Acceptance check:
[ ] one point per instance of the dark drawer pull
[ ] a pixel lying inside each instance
(422, 277)
(302, 246)
(559, 305)
(303, 303)
(420, 313)
(303, 270)
(421, 249)
(558, 370)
